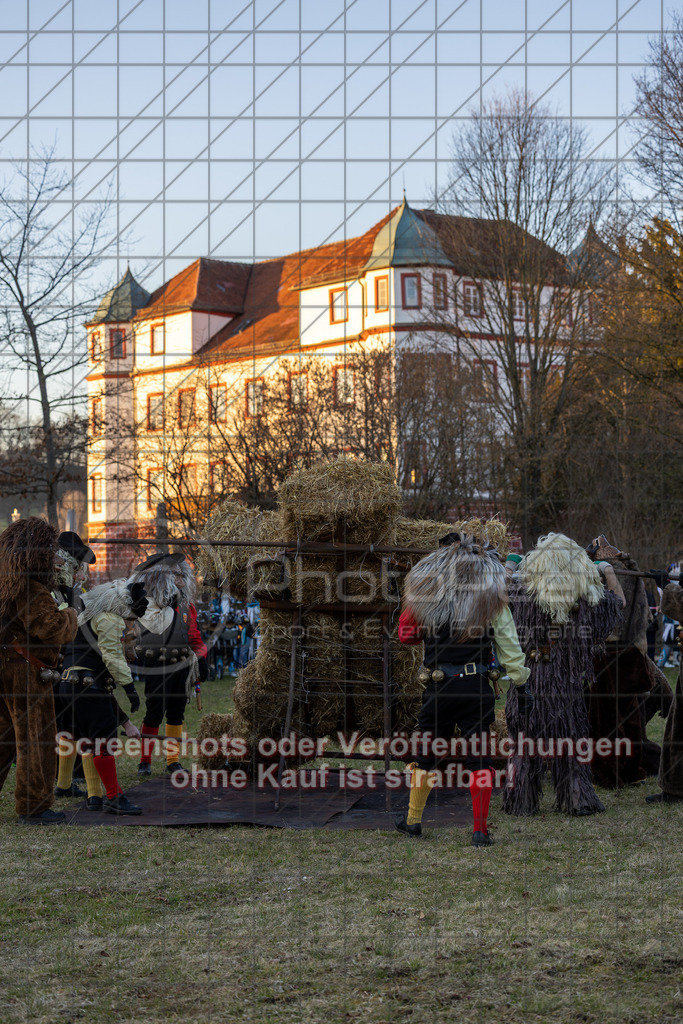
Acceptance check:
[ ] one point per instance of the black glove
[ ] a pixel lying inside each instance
(139, 600)
(526, 702)
(203, 669)
(132, 697)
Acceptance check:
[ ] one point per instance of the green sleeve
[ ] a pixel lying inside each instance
(508, 650)
(109, 629)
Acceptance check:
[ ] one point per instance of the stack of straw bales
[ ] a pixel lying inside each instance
(350, 501)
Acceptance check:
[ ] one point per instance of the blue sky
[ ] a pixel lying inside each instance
(245, 130)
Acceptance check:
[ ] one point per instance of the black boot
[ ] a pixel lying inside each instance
(144, 768)
(401, 825)
(46, 818)
(120, 805)
(482, 839)
(663, 798)
(73, 790)
(175, 766)
(94, 803)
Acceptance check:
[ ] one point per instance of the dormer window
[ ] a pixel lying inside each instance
(186, 413)
(471, 299)
(97, 418)
(440, 288)
(96, 346)
(411, 291)
(117, 343)
(339, 312)
(158, 340)
(381, 294)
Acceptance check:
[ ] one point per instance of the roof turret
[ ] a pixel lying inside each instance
(406, 241)
(121, 303)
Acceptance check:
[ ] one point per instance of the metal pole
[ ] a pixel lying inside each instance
(296, 629)
(386, 680)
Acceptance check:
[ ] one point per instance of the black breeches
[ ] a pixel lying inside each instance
(465, 701)
(96, 714)
(165, 694)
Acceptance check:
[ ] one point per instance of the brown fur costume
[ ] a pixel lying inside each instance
(671, 767)
(623, 675)
(29, 618)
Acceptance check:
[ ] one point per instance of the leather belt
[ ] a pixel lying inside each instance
(438, 674)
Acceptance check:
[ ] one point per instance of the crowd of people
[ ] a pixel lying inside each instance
(570, 627)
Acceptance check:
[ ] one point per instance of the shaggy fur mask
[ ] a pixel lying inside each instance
(161, 584)
(556, 574)
(460, 588)
(113, 596)
(66, 572)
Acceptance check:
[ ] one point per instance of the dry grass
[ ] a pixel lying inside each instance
(425, 533)
(345, 499)
(574, 921)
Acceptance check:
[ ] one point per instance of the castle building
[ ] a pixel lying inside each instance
(168, 369)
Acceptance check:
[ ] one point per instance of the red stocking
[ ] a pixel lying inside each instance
(106, 769)
(481, 785)
(148, 744)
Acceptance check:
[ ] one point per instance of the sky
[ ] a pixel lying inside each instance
(247, 129)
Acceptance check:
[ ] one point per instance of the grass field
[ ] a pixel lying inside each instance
(563, 920)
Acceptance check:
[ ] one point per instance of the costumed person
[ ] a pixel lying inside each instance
(671, 764)
(563, 616)
(456, 603)
(93, 664)
(72, 575)
(624, 675)
(170, 653)
(32, 631)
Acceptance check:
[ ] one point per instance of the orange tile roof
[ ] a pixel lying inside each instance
(269, 323)
(212, 286)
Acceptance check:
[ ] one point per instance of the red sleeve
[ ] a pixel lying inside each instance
(194, 636)
(408, 630)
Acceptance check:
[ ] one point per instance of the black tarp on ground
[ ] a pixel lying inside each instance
(332, 807)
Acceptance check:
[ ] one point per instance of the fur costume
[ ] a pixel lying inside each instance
(167, 627)
(30, 621)
(671, 766)
(456, 602)
(623, 676)
(563, 616)
(457, 588)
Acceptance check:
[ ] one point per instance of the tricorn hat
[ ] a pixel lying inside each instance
(72, 543)
(169, 560)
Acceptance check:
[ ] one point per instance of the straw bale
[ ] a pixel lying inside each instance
(238, 567)
(425, 533)
(500, 726)
(346, 499)
(360, 579)
(217, 727)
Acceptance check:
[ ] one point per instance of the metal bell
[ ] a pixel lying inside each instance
(494, 675)
(545, 658)
(424, 675)
(438, 676)
(162, 654)
(149, 653)
(138, 649)
(534, 654)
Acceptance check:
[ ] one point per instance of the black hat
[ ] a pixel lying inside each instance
(72, 543)
(169, 560)
(448, 539)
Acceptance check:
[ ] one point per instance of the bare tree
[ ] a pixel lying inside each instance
(524, 206)
(46, 257)
(659, 121)
(225, 442)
